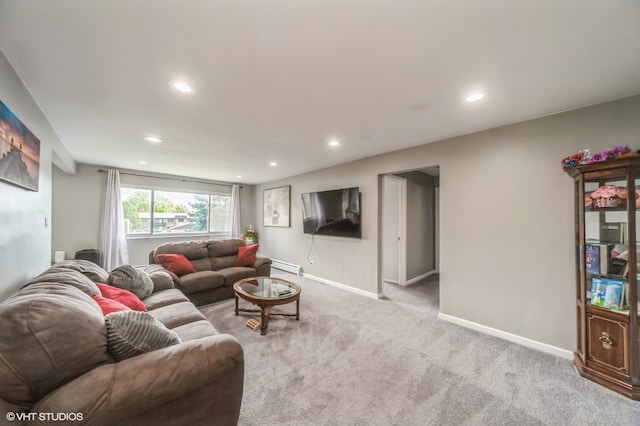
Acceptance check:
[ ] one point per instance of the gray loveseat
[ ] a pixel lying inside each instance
(54, 358)
(214, 263)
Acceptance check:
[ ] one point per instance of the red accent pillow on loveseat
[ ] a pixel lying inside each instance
(247, 255)
(176, 263)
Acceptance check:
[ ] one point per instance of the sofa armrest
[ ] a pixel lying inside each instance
(262, 266)
(261, 261)
(152, 257)
(190, 383)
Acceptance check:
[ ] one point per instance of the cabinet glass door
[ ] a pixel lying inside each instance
(606, 249)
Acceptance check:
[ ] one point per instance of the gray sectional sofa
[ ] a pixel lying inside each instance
(54, 357)
(215, 270)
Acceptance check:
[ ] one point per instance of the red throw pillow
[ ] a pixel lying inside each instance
(176, 263)
(123, 296)
(247, 255)
(109, 305)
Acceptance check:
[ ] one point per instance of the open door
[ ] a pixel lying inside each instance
(394, 229)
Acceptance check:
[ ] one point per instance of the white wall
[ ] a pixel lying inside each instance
(506, 219)
(25, 242)
(78, 201)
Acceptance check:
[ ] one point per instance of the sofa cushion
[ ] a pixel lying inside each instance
(201, 281)
(223, 262)
(132, 333)
(221, 248)
(195, 251)
(177, 314)
(223, 253)
(123, 296)
(176, 263)
(69, 276)
(109, 305)
(247, 255)
(235, 274)
(164, 298)
(61, 335)
(195, 330)
(129, 278)
(92, 271)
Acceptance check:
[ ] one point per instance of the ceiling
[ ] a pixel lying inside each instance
(275, 80)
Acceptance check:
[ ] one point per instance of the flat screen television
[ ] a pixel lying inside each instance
(335, 212)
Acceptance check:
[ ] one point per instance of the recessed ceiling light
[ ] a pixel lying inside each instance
(273, 164)
(153, 139)
(334, 142)
(238, 176)
(144, 163)
(182, 86)
(476, 96)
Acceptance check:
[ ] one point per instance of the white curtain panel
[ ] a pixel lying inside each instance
(236, 228)
(113, 241)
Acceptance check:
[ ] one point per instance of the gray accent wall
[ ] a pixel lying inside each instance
(506, 257)
(25, 234)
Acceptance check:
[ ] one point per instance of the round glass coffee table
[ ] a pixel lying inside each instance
(266, 292)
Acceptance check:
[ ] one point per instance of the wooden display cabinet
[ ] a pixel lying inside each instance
(607, 209)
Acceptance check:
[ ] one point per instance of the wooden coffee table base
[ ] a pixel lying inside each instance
(266, 312)
(265, 293)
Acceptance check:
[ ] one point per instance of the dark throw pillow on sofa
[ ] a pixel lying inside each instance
(129, 278)
(176, 263)
(131, 333)
(247, 255)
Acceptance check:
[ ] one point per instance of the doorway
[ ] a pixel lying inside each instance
(409, 228)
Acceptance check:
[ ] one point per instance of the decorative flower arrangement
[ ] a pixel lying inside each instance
(250, 235)
(576, 159)
(617, 151)
(586, 157)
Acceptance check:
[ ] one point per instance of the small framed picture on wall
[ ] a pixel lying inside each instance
(277, 207)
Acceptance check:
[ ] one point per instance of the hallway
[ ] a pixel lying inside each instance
(425, 293)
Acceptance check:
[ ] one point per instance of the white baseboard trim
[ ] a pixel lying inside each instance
(533, 344)
(420, 277)
(343, 287)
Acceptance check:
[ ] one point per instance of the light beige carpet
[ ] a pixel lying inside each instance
(353, 360)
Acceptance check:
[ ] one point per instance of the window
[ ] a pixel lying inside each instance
(148, 211)
(220, 207)
(136, 204)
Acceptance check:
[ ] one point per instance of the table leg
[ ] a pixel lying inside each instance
(236, 305)
(298, 310)
(264, 316)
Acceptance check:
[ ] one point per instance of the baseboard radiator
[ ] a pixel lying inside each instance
(286, 266)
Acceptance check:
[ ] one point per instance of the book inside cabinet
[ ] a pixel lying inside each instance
(607, 209)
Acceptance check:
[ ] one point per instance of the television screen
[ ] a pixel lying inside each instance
(335, 212)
